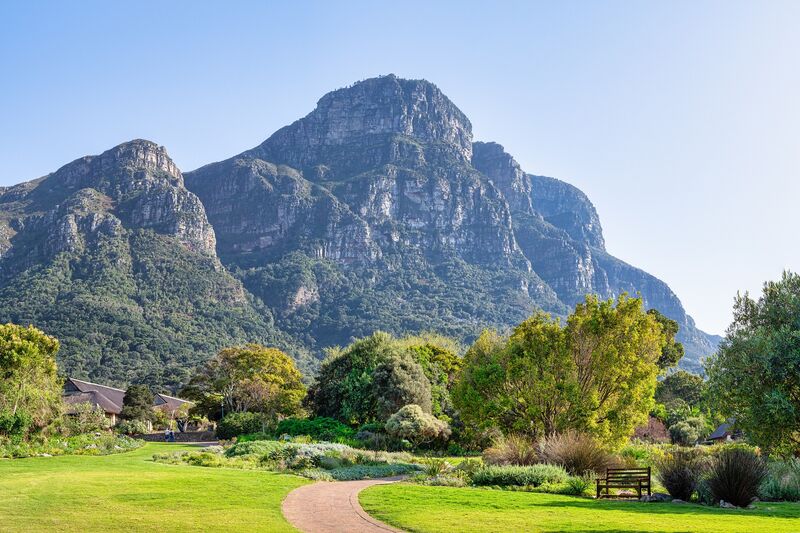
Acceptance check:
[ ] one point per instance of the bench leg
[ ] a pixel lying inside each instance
(598, 489)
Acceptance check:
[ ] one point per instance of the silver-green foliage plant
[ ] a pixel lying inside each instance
(416, 426)
(782, 482)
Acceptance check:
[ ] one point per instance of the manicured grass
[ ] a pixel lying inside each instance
(129, 492)
(432, 509)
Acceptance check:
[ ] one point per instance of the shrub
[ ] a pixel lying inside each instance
(641, 454)
(435, 466)
(577, 485)
(533, 475)
(372, 471)
(689, 431)
(86, 418)
(680, 472)
(320, 428)
(236, 424)
(131, 427)
(468, 467)
(735, 476)
(257, 448)
(578, 453)
(512, 450)
(15, 425)
(782, 482)
(414, 425)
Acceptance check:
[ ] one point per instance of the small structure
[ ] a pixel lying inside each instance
(110, 400)
(636, 479)
(726, 432)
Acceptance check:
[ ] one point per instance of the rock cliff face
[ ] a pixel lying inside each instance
(379, 195)
(375, 211)
(114, 256)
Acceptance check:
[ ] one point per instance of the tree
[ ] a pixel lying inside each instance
(30, 390)
(525, 384)
(397, 381)
(439, 358)
(681, 385)
(755, 375)
(416, 426)
(138, 404)
(596, 374)
(249, 378)
(688, 431)
(672, 352)
(368, 380)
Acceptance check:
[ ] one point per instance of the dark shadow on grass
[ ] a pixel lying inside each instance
(790, 511)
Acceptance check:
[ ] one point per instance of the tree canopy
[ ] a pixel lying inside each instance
(249, 378)
(597, 373)
(375, 376)
(138, 404)
(29, 384)
(755, 375)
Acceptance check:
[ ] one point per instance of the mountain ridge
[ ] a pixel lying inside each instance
(374, 211)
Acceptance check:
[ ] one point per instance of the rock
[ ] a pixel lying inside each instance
(678, 501)
(656, 497)
(374, 211)
(725, 505)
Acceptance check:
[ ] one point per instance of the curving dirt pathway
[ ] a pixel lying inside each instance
(332, 507)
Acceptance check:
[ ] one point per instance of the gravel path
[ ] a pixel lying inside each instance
(332, 507)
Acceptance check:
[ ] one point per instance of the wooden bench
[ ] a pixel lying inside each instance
(624, 478)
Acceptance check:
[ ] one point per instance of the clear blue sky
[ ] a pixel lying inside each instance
(679, 119)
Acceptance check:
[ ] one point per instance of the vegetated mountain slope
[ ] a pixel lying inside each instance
(377, 211)
(116, 258)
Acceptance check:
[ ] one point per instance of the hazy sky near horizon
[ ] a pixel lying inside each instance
(678, 119)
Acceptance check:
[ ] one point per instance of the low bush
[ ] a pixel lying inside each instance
(236, 424)
(131, 427)
(254, 448)
(512, 450)
(641, 454)
(411, 423)
(435, 466)
(15, 424)
(735, 475)
(533, 475)
(103, 443)
(320, 428)
(578, 453)
(372, 471)
(680, 472)
(578, 485)
(782, 482)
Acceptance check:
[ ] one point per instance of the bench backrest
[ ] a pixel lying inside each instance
(627, 473)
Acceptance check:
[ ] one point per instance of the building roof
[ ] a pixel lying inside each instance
(723, 430)
(170, 402)
(109, 399)
(94, 398)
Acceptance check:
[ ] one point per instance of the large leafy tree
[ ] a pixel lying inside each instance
(672, 352)
(375, 376)
(596, 374)
(138, 404)
(755, 376)
(249, 378)
(29, 383)
(681, 386)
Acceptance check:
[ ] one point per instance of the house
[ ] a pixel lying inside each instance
(110, 400)
(726, 432)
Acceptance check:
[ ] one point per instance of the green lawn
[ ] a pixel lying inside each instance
(129, 492)
(431, 509)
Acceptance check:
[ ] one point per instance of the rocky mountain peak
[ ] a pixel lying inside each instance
(140, 154)
(368, 118)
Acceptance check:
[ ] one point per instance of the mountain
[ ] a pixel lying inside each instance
(114, 256)
(375, 211)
